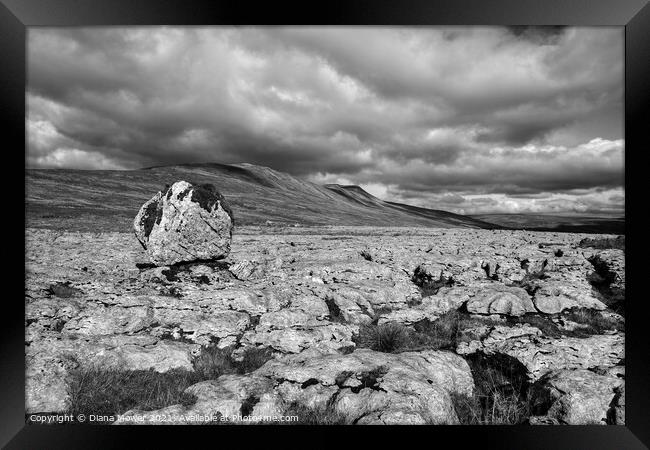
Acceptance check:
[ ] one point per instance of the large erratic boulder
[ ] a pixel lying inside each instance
(185, 223)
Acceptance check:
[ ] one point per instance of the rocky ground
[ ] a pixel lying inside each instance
(350, 315)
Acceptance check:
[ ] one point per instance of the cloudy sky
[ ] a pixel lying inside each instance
(471, 120)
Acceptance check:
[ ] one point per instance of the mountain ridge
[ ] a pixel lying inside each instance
(109, 200)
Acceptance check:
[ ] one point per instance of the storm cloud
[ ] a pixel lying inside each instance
(468, 119)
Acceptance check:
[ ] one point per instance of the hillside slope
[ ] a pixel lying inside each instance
(108, 200)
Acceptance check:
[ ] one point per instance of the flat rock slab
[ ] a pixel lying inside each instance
(366, 387)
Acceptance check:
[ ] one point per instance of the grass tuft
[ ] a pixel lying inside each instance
(63, 290)
(595, 322)
(442, 333)
(388, 338)
(112, 392)
(603, 243)
(325, 415)
(501, 394)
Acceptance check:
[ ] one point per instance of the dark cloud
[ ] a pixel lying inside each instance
(461, 116)
(549, 34)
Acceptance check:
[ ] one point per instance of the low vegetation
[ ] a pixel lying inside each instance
(589, 322)
(529, 281)
(603, 243)
(542, 323)
(603, 280)
(388, 337)
(324, 415)
(594, 322)
(500, 396)
(428, 284)
(443, 333)
(63, 290)
(112, 392)
(453, 327)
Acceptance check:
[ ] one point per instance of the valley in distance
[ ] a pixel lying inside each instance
(331, 307)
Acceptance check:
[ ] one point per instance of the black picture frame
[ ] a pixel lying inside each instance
(634, 15)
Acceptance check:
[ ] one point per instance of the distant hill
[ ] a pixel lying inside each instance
(108, 200)
(560, 223)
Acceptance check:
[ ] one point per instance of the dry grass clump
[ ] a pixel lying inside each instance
(63, 290)
(112, 392)
(501, 393)
(603, 243)
(388, 337)
(541, 322)
(213, 362)
(442, 333)
(324, 415)
(594, 321)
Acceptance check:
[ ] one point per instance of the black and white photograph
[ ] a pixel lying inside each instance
(325, 225)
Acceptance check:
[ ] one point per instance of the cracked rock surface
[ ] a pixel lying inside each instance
(306, 293)
(185, 223)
